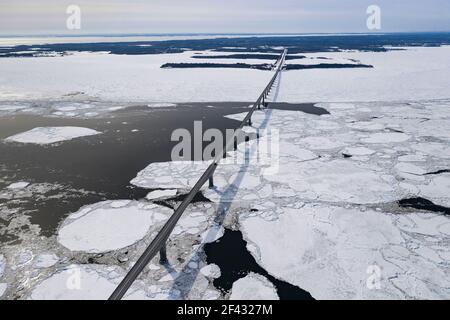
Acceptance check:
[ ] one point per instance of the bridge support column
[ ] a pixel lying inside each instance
(163, 255)
(211, 182)
(250, 121)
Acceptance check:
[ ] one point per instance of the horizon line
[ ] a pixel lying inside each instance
(216, 34)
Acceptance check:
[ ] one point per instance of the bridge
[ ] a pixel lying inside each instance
(159, 242)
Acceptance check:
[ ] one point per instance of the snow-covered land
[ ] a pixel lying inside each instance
(49, 135)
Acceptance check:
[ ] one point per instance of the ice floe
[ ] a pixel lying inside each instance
(18, 185)
(161, 194)
(49, 135)
(105, 226)
(46, 260)
(3, 287)
(161, 105)
(2, 265)
(358, 151)
(253, 287)
(211, 271)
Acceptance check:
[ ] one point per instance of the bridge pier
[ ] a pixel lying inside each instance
(211, 182)
(163, 255)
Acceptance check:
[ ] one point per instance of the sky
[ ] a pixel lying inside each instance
(43, 17)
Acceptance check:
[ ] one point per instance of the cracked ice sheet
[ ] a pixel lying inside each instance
(110, 225)
(330, 249)
(49, 135)
(438, 189)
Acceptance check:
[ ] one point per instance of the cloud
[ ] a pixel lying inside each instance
(212, 16)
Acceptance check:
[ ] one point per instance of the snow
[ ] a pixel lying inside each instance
(161, 194)
(253, 287)
(105, 226)
(49, 135)
(397, 75)
(128, 78)
(18, 185)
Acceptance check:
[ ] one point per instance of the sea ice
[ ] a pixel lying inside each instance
(80, 282)
(105, 227)
(18, 185)
(211, 271)
(48, 135)
(410, 168)
(334, 251)
(3, 287)
(358, 151)
(46, 260)
(2, 265)
(336, 181)
(438, 189)
(386, 137)
(161, 194)
(253, 287)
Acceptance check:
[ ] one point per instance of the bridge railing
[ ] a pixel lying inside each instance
(159, 242)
